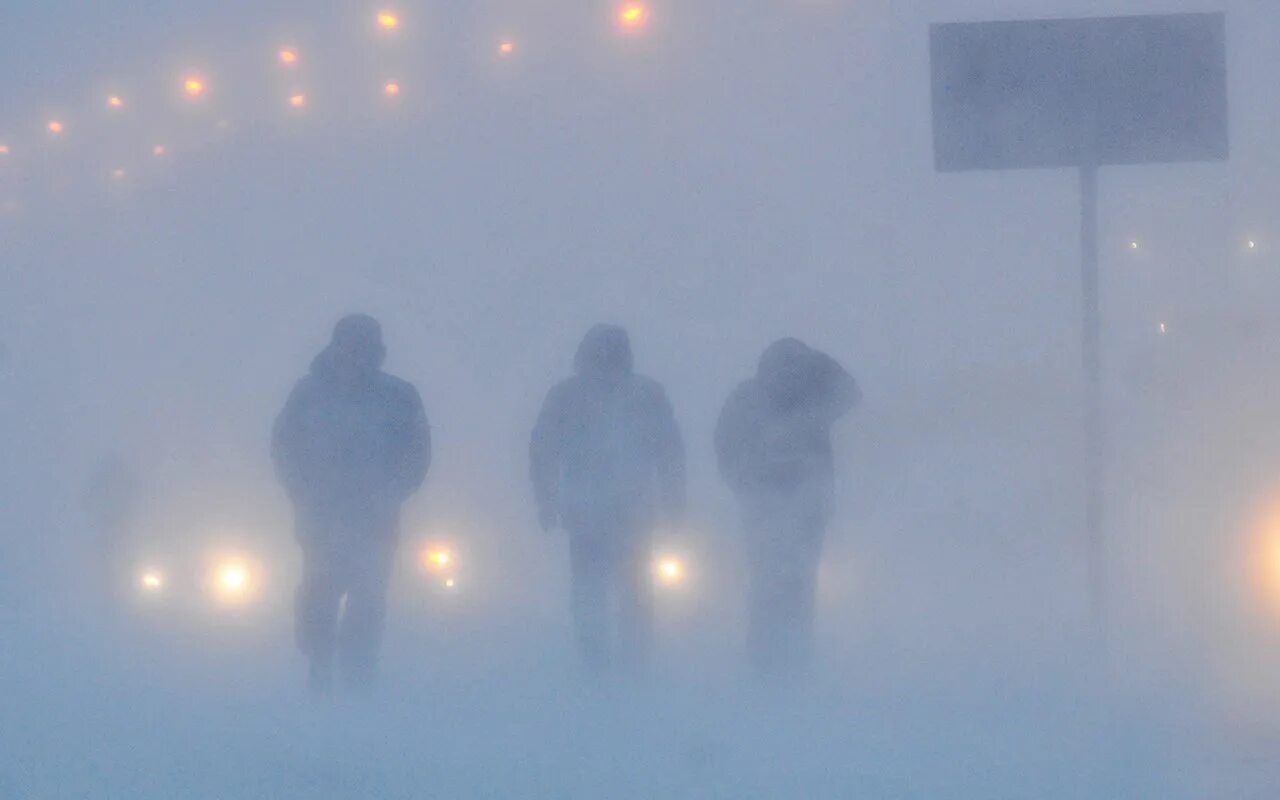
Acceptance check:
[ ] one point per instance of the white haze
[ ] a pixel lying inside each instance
(741, 172)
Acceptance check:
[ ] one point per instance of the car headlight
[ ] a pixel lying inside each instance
(232, 582)
(151, 581)
(669, 570)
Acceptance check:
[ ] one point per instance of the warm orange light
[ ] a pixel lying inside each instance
(298, 100)
(115, 102)
(391, 89)
(158, 150)
(388, 20)
(55, 127)
(507, 48)
(669, 570)
(151, 581)
(193, 86)
(4, 149)
(288, 56)
(633, 15)
(436, 559)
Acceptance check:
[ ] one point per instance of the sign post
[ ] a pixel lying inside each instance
(1081, 93)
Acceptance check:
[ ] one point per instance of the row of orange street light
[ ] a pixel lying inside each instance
(630, 17)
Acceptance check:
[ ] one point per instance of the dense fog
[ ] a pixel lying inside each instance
(712, 177)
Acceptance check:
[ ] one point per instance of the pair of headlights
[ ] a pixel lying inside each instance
(228, 581)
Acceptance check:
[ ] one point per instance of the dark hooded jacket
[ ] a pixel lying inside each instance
(606, 447)
(348, 449)
(774, 433)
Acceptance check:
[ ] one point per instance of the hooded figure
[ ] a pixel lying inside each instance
(607, 463)
(773, 445)
(351, 445)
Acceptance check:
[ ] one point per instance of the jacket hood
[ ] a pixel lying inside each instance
(355, 350)
(605, 350)
(785, 372)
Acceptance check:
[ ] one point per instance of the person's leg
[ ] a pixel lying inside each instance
(635, 599)
(589, 596)
(364, 617)
(316, 606)
(761, 532)
(803, 594)
(784, 540)
(765, 607)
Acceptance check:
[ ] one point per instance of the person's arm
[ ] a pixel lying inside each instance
(545, 447)
(840, 392)
(286, 444)
(416, 454)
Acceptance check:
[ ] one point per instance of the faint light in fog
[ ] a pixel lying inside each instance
(391, 89)
(436, 559)
(231, 581)
(194, 86)
(151, 581)
(1164, 328)
(117, 173)
(158, 150)
(449, 584)
(1133, 245)
(670, 570)
(507, 48)
(633, 16)
(115, 102)
(288, 56)
(298, 100)
(388, 20)
(1251, 244)
(55, 127)
(4, 149)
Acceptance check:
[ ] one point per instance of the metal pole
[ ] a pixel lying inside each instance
(1093, 422)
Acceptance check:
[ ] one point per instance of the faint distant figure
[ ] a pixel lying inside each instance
(351, 445)
(607, 463)
(110, 500)
(773, 444)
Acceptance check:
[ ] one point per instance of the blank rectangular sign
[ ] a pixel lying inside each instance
(1057, 93)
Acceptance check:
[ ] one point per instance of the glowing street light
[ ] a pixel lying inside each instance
(633, 16)
(391, 89)
(449, 584)
(55, 127)
(288, 56)
(1251, 244)
(298, 100)
(1133, 245)
(4, 149)
(388, 20)
(114, 102)
(194, 86)
(158, 151)
(506, 48)
(1164, 328)
(118, 173)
